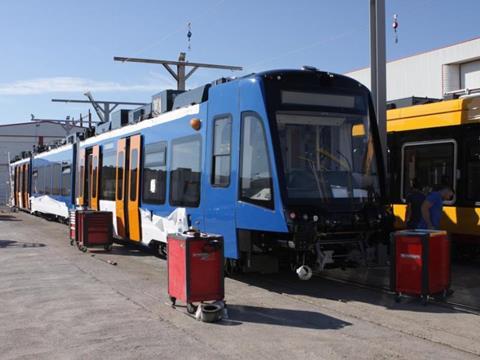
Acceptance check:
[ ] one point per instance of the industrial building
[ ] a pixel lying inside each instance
(19, 137)
(432, 73)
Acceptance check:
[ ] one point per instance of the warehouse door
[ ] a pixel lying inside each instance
(470, 75)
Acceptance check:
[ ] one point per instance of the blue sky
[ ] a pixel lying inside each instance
(61, 48)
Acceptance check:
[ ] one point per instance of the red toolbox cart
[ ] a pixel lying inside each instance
(195, 268)
(93, 229)
(420, 263)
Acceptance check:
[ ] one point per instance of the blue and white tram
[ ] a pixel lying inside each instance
(283, 164)
(51, 182)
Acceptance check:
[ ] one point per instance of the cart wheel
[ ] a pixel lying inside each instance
(84, 249)
(191, 308)
(424, 300)
(108, 247)
(173, 300)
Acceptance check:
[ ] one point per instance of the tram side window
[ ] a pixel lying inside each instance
(94, 175)
(121, 159)
(41, 180)
(56, 175)
(430, 164)
(185, 172)
(107, 174)
(48, 179)
(133, 174)
(222, 138)
(66, 180)
(35, 180)
(154, 173)
(255, 175)
(473, 170)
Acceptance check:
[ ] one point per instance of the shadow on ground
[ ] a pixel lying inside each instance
(284, 317)
(4, 217)
(317, 287)
(17, 244)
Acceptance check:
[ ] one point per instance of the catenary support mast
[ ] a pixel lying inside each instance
(180, 75)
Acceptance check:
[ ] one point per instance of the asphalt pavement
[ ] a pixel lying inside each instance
(59, 303)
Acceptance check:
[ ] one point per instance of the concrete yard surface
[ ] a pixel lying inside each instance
(59, 303)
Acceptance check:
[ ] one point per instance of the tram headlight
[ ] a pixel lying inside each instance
(305, 217)
(292, 215)
(315, 218)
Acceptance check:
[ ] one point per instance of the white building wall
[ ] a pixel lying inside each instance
(431, 73)
(15, 138)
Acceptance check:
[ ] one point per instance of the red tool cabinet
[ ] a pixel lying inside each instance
(93, 229)
(420, 263)
(195, 268)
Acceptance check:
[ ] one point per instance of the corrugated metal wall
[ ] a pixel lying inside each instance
(431, 73)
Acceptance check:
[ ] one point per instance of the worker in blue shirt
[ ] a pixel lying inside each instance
(414, 200)
(432, 207)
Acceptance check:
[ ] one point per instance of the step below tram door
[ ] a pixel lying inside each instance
(127, 189)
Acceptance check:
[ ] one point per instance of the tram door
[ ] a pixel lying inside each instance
(94, 166)
(81, 181)
(128, 187)
(87, 175)
(26, 186)
(17, 186)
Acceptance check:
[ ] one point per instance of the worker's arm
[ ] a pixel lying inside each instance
(426, 213)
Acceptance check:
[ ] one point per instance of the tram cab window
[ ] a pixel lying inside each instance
(154, 173)
(107, 174)
(186, 172)
(430, 163)
(255, 174)
(473, 170)
(222, 138)
(327, 155)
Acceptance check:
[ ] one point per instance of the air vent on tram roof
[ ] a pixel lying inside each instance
(192, 97)
(309, 68)
(410, 101)
(163, 101)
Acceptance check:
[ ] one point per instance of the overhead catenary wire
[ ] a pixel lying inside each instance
(251, 67)
(299, 49)
(180, 28)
